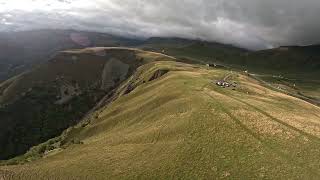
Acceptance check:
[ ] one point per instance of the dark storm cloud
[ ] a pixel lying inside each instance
(254, 24)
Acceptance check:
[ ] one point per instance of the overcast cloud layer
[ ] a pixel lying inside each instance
(254, 24)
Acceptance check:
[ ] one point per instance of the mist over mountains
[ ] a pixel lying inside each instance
(251, 24)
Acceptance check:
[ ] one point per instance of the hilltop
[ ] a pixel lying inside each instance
(170, 119)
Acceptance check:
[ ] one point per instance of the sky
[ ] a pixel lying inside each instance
(252, 24)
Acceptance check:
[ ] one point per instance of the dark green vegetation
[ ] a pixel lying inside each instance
(40, 104)
(35, 118)
(170, 121)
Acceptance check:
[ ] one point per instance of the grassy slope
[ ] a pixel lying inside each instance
(181, 125)
(34, 94)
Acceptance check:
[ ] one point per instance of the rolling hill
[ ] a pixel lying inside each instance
(170, 120)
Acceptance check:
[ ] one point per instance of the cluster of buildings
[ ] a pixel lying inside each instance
(226, 84)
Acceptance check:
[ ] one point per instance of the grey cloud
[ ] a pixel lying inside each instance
(254, 24)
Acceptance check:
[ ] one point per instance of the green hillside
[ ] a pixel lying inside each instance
(293, 59)
(170, 120)
(40, 104)
(294, 70)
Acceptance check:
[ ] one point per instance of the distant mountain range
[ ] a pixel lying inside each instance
(22, 50)
(287, 59)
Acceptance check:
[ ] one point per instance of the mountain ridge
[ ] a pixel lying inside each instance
(170, 119)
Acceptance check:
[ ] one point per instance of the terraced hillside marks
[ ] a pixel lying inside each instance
(181, 125)
(58, 94)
